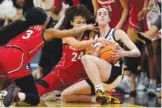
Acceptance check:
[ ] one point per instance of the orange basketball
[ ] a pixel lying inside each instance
(105, 53)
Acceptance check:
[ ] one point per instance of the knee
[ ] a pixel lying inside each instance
(64, 96)
(85, 58)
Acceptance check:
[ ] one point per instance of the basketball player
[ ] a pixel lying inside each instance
(137, 22)
(118, 11)
(69, 70)
(17, 53)
(154, 53)
(99, 70)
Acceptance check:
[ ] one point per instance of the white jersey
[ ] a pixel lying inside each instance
(110, 36)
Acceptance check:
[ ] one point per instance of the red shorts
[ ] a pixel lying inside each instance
(140, 26)
(124, 27)
(14, 63)
(61, 79)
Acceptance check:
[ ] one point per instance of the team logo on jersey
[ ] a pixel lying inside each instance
(27, 67)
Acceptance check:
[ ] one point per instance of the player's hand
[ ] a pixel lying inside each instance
(142, 14)
(103, 41)
(118, 52)
(92, 27)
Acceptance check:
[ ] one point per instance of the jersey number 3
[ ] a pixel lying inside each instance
(28, 34)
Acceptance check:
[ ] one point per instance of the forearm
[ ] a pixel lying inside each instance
(19, 15)
(84, 44)
(152, 32)
(78, 30)
(146, 2)
(95, 5)
(6, 22)
(123, 15)
(96, 53)
(132, 53)
(51, 33)
(122, 19)
(54, 33)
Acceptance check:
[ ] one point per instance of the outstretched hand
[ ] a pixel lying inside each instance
(92, 27)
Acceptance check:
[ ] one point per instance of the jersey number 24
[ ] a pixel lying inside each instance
(76, 56)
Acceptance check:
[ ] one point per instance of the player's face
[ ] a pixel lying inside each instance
(78, 21)
(20, 2)
(102, 16)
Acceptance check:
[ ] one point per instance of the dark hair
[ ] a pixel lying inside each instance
(72, 12)
(16, 5)
(1, 1)
(11, 30)
(33, 16)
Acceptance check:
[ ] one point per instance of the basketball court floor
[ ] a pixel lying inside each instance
(140, 100)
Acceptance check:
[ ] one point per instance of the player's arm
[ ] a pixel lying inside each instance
(156, 26)
(97, 50)
(146, 2)
(79, 44)
(142, 14)
(124, 38)
(89, 50)
(51, 33)
(124, 14)
(95, 5)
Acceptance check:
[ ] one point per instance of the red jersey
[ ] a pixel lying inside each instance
(71, 57)
(115, 10)
(15, 56)
(136, 6)
(30, 41)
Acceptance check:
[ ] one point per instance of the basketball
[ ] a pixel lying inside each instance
(105, 53)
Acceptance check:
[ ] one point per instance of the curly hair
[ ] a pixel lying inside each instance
(74, 11)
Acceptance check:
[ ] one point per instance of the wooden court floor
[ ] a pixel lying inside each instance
(56, 104)
(141, 100)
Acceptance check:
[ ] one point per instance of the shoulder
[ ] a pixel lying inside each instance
(37, 28)
(118, 33)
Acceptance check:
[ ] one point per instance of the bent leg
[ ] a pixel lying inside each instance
(79, 92)
(98, 70)
(49, 83)
(28, 87)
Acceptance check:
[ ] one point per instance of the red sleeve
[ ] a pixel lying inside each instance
(76, 2)
(58, 5)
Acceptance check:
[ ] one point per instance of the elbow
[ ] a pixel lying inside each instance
(138, 53)
(46, 35)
